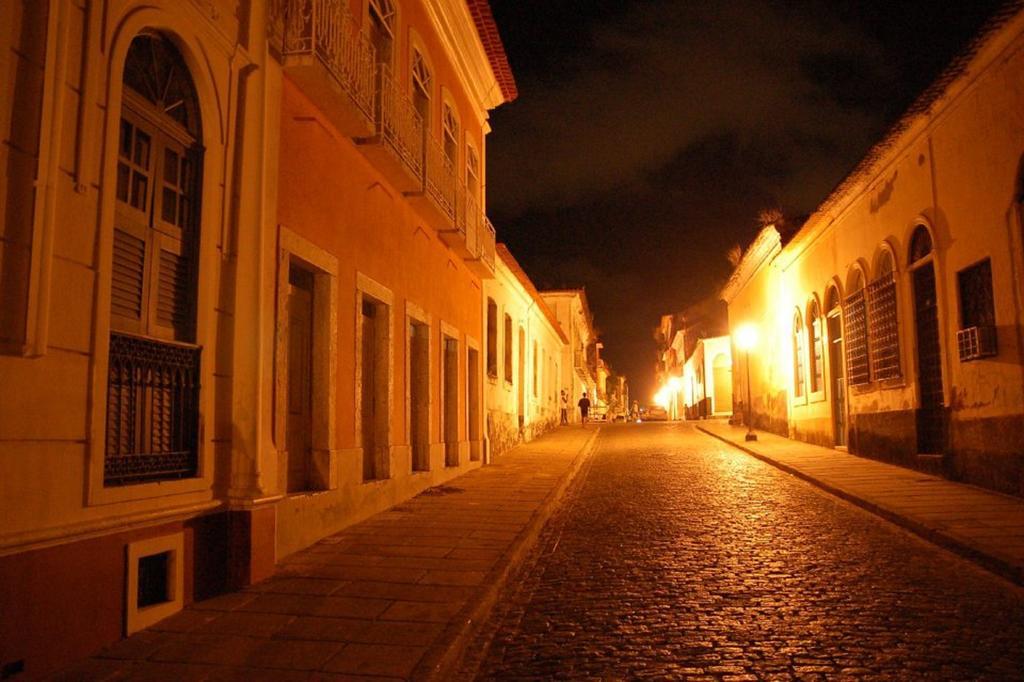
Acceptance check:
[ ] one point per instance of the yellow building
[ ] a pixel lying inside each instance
(890, 321)
(523, 358)
(242, 250)
(579, 357)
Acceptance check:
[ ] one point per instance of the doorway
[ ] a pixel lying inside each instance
(521, 380)
(450, 413)
(373, 389)
(931, 413)
(931, 417)
(721, 375)
(419, 395)
(473, 403)
(299, 422)
(837, 373)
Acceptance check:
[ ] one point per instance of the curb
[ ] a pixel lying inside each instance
(990, 563)
(443, 658)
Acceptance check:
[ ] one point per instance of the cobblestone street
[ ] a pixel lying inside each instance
(676, 556)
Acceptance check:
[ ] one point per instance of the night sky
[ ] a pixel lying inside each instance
(648, 135)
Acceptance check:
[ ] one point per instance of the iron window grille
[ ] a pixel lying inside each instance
(152, 411)
(883, 328)
(856, 339)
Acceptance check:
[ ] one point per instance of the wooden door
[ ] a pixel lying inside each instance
(931, 413)
(299, 428)
(368, 390)
(837, 372)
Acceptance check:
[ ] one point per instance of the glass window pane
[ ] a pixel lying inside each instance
(183, 211)
(170, 167)
(123, 173)
(125, 148)
(141, 149)
(169, 205)
(140, 186)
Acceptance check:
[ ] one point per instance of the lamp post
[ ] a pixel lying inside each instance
(746, 338)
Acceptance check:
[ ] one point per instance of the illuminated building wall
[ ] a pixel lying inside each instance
(890, 322)
(218, 250)
(523, 378)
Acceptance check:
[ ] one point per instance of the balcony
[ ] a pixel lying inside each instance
(396, 145)
(436, 200)
(480, 243)
(468, 222)
(326, 55)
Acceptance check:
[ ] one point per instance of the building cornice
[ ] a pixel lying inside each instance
(766, 246)
(459, 34)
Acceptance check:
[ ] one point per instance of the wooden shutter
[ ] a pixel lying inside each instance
(127, 286)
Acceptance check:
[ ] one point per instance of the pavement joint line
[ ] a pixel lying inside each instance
(994, 564)
(444, 657)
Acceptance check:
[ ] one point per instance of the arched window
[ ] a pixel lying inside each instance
(152, 394)
(450, 124)
(473, 172)
(855, 324)
(883, 326)
(383, 20)
(815, 343)
(422, 82)
(920, 244)
(798, 356)
(831, 300)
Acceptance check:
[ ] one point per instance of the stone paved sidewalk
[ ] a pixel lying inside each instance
(394, 597)
(985, 526)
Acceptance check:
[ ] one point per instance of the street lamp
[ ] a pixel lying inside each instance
(746, 339)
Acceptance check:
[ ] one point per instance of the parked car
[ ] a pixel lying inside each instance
(654, 413)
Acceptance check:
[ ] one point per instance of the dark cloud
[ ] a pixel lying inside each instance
(662, 77)
(648, 134)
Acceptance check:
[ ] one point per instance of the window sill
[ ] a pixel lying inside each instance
(817, 397)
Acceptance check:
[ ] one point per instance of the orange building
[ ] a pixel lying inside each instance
(382, 244)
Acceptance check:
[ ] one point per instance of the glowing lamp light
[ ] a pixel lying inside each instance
(746, 337)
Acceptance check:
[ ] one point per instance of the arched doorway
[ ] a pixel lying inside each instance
(721, 373)
(931, 412)
(836, 365)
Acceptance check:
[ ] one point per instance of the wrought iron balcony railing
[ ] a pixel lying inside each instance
(399, 127)
(152, 411)
(326, 30)
(439, 180)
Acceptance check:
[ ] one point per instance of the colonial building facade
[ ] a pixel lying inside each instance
(889, 323)
(524, 356)
(242, 255)
(579, 358)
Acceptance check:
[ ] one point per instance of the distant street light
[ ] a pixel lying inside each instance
(746, 339)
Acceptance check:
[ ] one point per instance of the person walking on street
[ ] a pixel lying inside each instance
(565, 407)
(584, 404)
